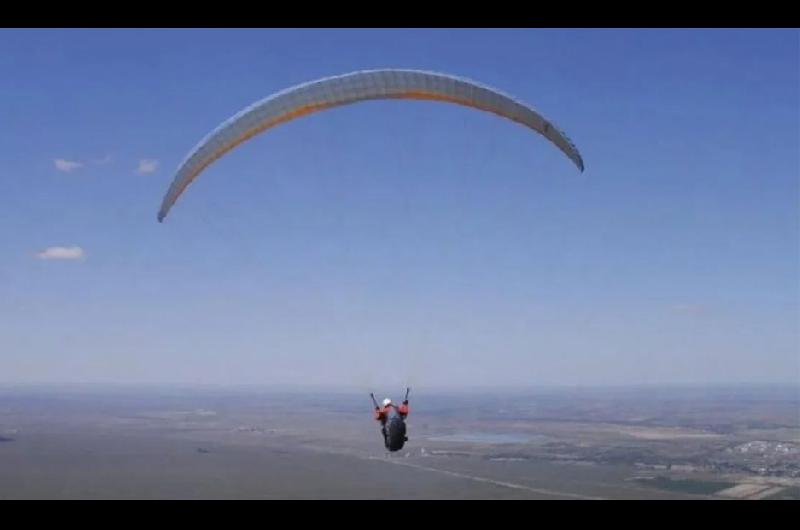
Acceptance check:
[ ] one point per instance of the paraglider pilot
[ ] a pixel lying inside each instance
(383, 413)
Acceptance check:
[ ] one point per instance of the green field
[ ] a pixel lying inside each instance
(698, 487)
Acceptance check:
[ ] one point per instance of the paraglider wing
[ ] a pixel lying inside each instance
(351, 88)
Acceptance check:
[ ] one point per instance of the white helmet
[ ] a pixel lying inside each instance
(387, 402)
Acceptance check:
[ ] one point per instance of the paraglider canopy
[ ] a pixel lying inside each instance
(350, 88)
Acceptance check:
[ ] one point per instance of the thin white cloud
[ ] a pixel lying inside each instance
(100, 161)
(147, 166)
(65, 253)
(66, 165)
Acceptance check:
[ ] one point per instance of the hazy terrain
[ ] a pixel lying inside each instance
(156, 442)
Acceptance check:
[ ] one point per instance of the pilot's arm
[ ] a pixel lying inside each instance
(403, 409)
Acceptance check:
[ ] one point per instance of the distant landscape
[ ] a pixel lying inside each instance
(252, 443)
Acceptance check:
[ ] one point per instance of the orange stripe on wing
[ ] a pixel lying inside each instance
(311, 108)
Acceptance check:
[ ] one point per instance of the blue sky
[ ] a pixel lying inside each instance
(395, 241)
